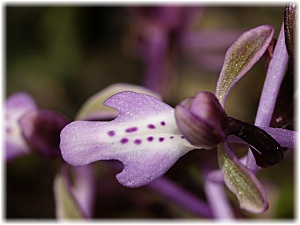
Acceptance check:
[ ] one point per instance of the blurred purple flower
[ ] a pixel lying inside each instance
(159, 35)
(16, 106)
(30, 129)
(41, 129)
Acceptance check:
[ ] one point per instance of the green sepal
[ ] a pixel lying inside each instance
(66, 205)
(93, 108)
(241, 56)
(241, 181)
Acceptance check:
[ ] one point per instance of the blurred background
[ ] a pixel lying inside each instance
(62, 55)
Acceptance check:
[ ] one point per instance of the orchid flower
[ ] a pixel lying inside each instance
(133, 125)
(144, 137)
(30, 129)
(149, 136)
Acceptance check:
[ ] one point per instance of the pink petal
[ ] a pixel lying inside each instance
(144, 137)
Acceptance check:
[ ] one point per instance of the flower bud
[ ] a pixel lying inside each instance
(202, 120)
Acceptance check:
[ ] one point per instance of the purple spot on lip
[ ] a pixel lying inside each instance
(171, 137)
(150, 138)
(138, 141)
(161, 139)
(182, 137)
(124, 140)
(151, 126)
(131, 129)
(162, 123)
(111, 133)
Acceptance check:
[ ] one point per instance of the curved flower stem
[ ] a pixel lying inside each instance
(270, 90)
(216, 196)
(178, 195)
(286, 138)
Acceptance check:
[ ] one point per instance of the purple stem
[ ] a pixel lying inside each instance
(270, 90)
(179, 196)
(155, 60)
(216, 196)
(275, 74)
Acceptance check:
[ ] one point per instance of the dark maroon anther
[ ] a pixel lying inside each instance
(289, 25)
(266, 150)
